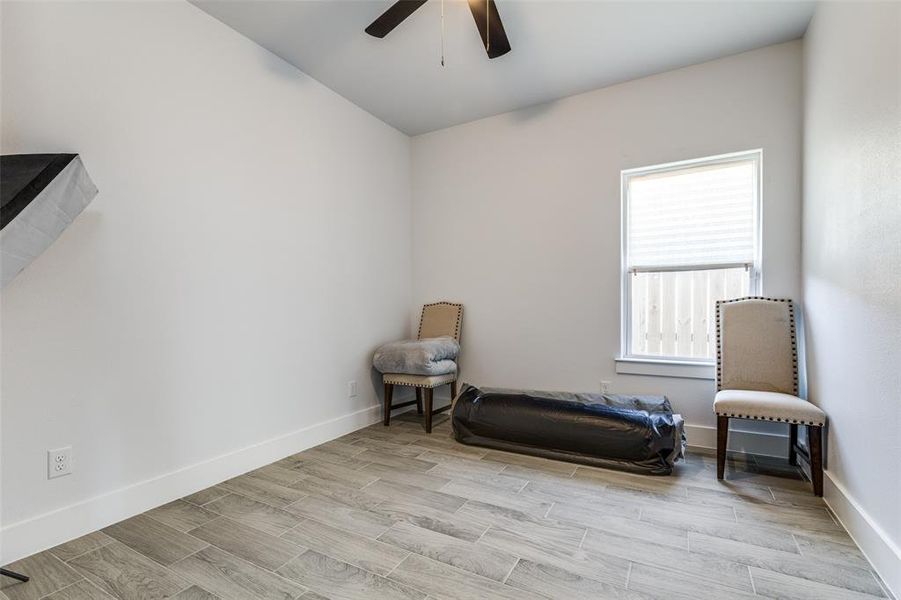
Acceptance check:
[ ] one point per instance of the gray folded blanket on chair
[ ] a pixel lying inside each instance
(431, 356)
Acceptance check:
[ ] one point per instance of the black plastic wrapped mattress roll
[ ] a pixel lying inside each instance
(632, 433)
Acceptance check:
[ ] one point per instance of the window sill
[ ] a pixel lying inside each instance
(659, 367)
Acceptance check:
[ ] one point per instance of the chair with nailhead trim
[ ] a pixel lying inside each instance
(438, 319)
(757, 377)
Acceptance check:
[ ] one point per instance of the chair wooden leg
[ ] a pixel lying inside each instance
(419, 400)
(453, 389)
(792, 444)
(428, 410)
(389, 392)
(722, 439)
(815, 440)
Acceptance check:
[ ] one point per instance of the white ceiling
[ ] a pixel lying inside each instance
(560, 48)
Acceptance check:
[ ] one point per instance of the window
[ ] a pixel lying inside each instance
(691, 236)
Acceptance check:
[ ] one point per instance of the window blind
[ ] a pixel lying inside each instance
(696, 217)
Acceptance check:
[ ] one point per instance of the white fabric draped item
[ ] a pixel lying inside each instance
(41, 222)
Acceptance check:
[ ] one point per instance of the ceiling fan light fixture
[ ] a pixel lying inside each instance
(484, 12)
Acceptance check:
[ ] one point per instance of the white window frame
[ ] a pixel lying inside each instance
(675, 366)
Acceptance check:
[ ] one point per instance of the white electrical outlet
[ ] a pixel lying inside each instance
(605, 387)
(59, 462)
(351, 389)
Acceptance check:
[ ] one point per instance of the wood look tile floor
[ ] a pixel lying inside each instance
(397, 514)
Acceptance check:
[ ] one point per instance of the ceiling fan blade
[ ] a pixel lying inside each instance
(494, 38)
(393, 17)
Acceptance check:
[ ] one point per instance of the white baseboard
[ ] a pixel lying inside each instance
(880, 550)
(749, 442)
(39, 533)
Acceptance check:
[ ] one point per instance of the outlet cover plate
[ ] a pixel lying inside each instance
(59, 462)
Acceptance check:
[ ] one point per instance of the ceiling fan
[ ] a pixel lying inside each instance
(487, 19)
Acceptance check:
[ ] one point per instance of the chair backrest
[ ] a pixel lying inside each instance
(756, 347)
(441, 318)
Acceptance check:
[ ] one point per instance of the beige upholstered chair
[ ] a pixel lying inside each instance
(438, 319)
(757, 377)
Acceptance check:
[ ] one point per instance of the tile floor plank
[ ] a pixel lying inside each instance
(787, 563)
(258, 515)
(277, 474)
(389, 446)
(500, 481)
(730, 573)
(128, 575)
(650, 499)
(337, 492)
(48, 574)
(206, 495)
(316, 455)
(251, 544)
(472, 465)
(532, 462)
(79, 546)
(195, 593)
(232, 578)
(365, 553)
(633, 528)
(555, 582)
(393, 460)
(551, 533)
(670, 584)
(578, 510)
(263, 490)
(597, 567)
(181, 515)
(390, 490)
(443, 582)
(481, 560)
(770, 584)
(473, 490)
(341, 581)
(337, 514)
(763, 536)
(428, 480)
(828, 551)
(352, 475)
(448, 445)
(340, 449)
(82, 590)
(433, 519)
(813, 519)
(154, 540)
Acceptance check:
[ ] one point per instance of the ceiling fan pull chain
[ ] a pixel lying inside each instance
(442, 33)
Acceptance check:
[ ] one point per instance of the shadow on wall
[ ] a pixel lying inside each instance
(533, 112)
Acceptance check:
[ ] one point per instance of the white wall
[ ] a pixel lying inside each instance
(518, 216)
(249, 248)
(852, 261)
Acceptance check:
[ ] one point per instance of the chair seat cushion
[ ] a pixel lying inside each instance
(423, 381)
(767, 406)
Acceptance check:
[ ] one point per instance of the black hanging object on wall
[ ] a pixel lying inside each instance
(484, 12)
